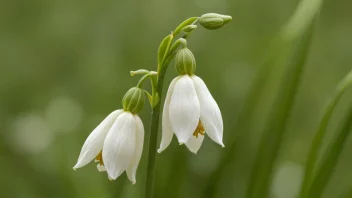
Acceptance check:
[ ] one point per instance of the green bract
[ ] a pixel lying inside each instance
(214, 21)
(185, 62)
(133, 101)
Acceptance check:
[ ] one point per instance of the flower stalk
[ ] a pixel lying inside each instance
(167, 51)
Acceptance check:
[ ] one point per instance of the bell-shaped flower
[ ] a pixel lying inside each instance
(117, 142)
(189, 111)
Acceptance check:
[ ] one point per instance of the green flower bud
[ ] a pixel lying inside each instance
(189, 28)
(185, 62)
(133, 101)
(214, 21)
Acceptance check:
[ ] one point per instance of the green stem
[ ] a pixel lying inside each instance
(148, 75)
(141, 81)
(164, 58)
(152, 139)
(177, 43)
(165, 55)
(140, 71)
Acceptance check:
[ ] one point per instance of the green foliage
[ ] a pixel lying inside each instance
(321, 131)
(164, 49)
(331, 157)
(270, 143)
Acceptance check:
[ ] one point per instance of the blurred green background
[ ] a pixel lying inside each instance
(64, 66)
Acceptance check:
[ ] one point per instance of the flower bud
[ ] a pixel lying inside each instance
(189, 28)
(214, 21)
(185, 62)
(133, 101)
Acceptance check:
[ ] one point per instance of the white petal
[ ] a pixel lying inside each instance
(193, 144)
(210, 114)
(94, 143)
(119, 145)
(132, 169)
(101, 168)
(167, 132)
(184, 110)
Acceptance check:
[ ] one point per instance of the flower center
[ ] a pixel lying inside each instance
(199, 130)
(99, 158)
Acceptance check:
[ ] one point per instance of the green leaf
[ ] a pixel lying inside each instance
(153, 102)
(321, 131)
(267, 70)
(184, 24)
(164, 49)
(330, 160)
(270, 143)
(150, 98)
(156, 99)
(301, 19)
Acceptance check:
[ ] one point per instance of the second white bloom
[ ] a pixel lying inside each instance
(190, 111)
(117, 145)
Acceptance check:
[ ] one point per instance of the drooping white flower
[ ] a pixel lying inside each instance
(190, 111)
(116, 144)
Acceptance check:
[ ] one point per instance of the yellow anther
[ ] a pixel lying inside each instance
(199, 130)
(100, 158)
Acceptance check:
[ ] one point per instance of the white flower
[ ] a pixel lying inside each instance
(117, 145)
(189, 112)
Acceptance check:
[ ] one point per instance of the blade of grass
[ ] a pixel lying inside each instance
(271, 141)
(320, 133)
(331, 158)
(299, 21)
(248, 110)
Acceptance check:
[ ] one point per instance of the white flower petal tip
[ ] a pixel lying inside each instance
(133, 182)
(101, 168)
(210, 114)
(222, 145)
(194, 143)
(160, 150)
(110, 179)
(194, 152)
(76, 167)
(181, 142)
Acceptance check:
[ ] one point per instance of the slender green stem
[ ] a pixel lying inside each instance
(140, 71)
(177, 43)
(141, 81)
(165, 55)
(152, 139)
(164, 58)
(148, 75)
